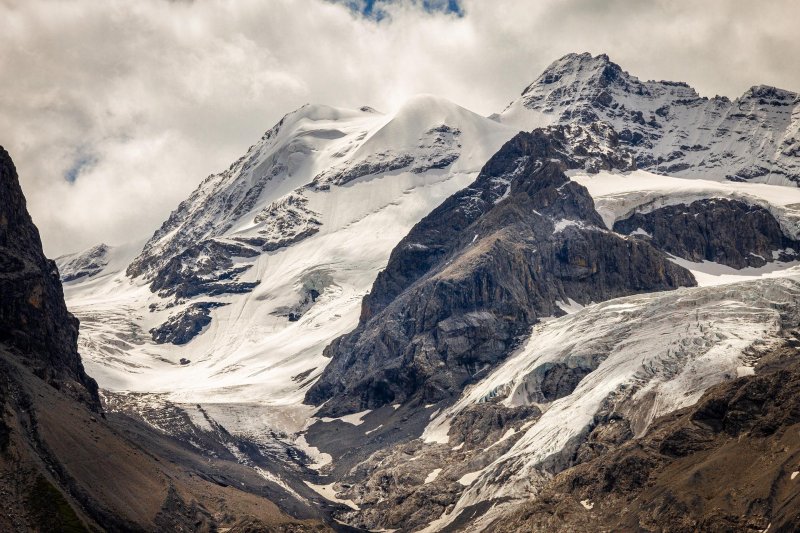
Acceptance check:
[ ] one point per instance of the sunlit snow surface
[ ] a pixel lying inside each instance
(248, 356)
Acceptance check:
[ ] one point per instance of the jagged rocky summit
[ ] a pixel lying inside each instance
(469, 280)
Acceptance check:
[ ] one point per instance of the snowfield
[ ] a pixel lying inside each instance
(249, 354)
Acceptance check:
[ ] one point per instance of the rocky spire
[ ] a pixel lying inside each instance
(34, 322)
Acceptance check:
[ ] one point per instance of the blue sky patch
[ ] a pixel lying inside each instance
(374, 9)
(82, 162)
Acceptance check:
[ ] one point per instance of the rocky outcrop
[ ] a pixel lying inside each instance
(730, 232)
(408, 486)
(285, 222)
(185, 325)
(728, 463)
(207, 268)
(470, 279)
(34, 321)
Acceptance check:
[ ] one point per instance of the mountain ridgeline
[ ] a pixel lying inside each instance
(470, 279)
(564, 316)
(668, 126)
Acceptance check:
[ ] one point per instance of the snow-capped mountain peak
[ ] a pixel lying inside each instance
(672, 129)
(314, 148)
(580, 67)
(454, 286)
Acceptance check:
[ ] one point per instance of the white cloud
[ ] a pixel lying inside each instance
(151, 96)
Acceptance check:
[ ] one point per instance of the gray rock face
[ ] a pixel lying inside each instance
(185, 325)
(729, 232)
(205, 268)
(286, 222)
(551, 381)
(471, 278)
(407, 486)
(34, 320)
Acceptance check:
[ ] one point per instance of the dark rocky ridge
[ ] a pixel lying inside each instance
(730, 232)
(205, 268)
(470, 279)
(34, 321)
(186, 324)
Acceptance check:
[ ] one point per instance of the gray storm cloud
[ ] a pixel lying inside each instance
(115, 110)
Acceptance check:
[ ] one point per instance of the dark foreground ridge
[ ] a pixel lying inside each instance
(34, 321)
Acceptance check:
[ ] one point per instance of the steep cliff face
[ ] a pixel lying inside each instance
(34, 321)
(729, 232)
(462, 289)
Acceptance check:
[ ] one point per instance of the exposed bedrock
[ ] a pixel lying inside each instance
(407, 486)
(34, 320)
(730, 232)
(728, 463)
(185, 325)
(464, 287)
(205, 268)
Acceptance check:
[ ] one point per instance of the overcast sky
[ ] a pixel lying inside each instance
(115, 110)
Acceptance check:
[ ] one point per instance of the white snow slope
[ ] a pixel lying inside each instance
(248, 354)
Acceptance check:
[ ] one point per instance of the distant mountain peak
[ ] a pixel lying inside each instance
(672, 129)
(591, 69)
